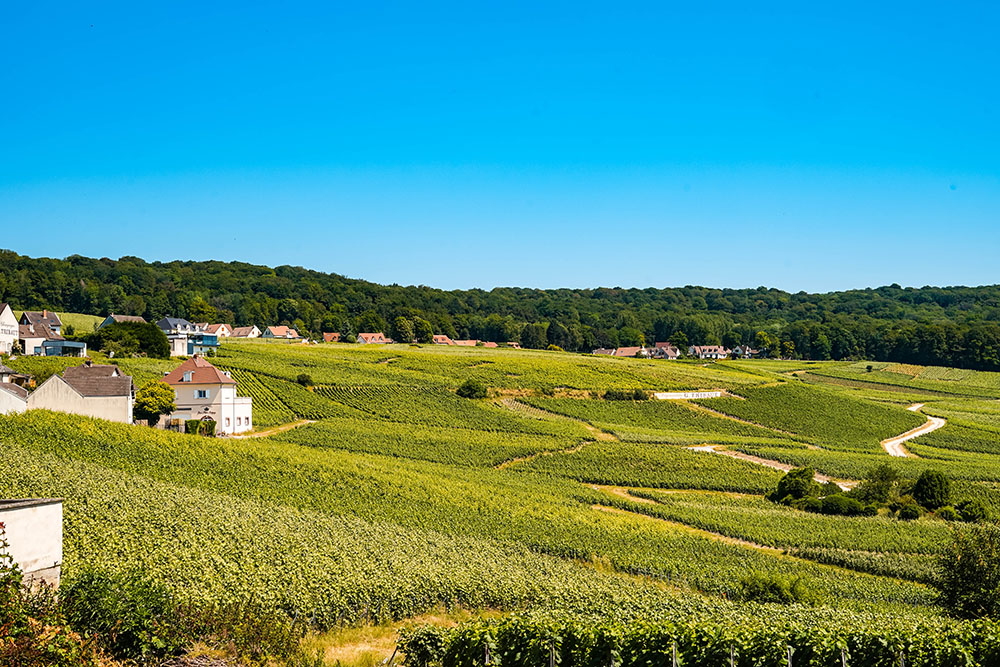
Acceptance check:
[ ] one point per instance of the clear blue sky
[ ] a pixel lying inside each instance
(535, 144)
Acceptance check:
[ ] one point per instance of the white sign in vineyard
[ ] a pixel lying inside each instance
(684, 395)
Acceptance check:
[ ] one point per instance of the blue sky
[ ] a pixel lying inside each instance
(484, 144)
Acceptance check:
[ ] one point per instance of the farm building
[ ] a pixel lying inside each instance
(605, 351)
(372, 338)
(280, 332)
(246, 332)
(205, 392)
(631, 352)
(467, 343)
(13, 398)
(331, 337)
(91, 391)
(33, 528)
(118, 319)
(441, 339)
(8, 329)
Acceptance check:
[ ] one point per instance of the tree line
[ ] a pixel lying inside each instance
(951, 326)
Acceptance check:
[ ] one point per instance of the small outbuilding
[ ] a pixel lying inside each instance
(33, 531)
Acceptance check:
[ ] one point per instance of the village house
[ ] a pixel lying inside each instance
(39, 340)
(513, 344)
(605, 351)
(631, 352)
(280, 332)
(186, 338)
(708, 352)
(372, 338)
(8, 329)
(218, 330)
(119, 319)
(88, 390)
(441, 339)
(46, 317)
(204, 392)
(33, 528)
(467, 343)
(332, 337)
(745, 352)
(665, 351)
(13, 397)
(246, 332)
(490, 344)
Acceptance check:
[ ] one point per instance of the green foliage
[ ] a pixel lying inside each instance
(130, 338)
(841, 504)
(204, 427)
(626, 395)
(948, 513)
(304, 379)
(972, 510)
(777, 589)
(153, 399)
(402, 330)
(909, 512)
(423, 331)
(932, 490)
(472, 388)
(131, 613)
(795, 485)
(970, 572)
(879, 486)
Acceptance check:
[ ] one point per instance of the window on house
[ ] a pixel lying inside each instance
(227, 422)
(188, 376)
(239, 421)
(201, 393)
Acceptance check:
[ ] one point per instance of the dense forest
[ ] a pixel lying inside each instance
(953, 326)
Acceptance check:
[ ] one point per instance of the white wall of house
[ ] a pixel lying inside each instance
(56, 395)
(32, 346)
(8, 330)
(34, 537)
(219, 402)
(11, 404)
(178, 345)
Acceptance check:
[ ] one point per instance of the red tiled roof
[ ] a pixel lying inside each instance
(215, 328)
(46, 317)
(489, 344)
(627, 351)
(441, 339)
(201, 371)
(242, 332)
(371, 337)
(127, 318)
(283, 332)
(331, 337)
(467, 342)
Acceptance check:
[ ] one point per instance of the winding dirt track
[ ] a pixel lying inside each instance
(844, 484)
(273, 431)
(894, 446)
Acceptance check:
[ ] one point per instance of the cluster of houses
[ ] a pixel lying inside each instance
(670, 351)
(201, 390)
(37, 333)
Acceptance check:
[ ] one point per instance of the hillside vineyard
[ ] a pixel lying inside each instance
(567, 497)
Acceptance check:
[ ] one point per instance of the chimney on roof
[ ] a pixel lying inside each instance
(45, 314)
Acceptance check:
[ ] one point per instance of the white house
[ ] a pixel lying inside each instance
(280, 332)
(219, 330)
(13, 398)
(246, 332)
(708, 352)
(372, 338)
(204, 392)
(745, 352)
(8, 329)
(33, 528)
(91, 391)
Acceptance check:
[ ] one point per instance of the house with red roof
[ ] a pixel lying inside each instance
(246, 332)
(332, 337)
(204, 392)
(441, 339)
(708, 352)
(372, 338)
(280, 332)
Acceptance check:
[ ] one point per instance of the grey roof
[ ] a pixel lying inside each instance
(98, 380)
(174, 323)
(126, 318)
(49, 318)
(12, 388)
(6, 371)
